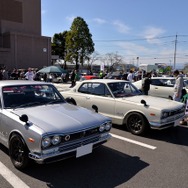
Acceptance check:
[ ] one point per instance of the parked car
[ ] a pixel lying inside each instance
(161, 86)
(88, 77)
(125, 104)
(36, 123)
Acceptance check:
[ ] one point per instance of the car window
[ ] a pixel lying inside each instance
(157, 82)
(123, 89)
(100, 89)
(186, 84)
(163, 82)
(85, 88)
(22, 95)
(95, 89)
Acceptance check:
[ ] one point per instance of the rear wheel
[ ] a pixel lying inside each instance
(137, 124)
(18, 152)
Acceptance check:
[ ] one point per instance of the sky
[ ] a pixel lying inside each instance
(140, 31)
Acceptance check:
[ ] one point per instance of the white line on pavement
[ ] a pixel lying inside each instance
(134, 142)
(11, 177)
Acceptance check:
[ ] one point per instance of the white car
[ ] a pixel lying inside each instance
(125, 104)
(161, 86)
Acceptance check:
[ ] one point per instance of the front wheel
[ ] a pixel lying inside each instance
(136, 124)
(18, 152)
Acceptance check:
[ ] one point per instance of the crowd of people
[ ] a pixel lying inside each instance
(29, 74)
(17, 74)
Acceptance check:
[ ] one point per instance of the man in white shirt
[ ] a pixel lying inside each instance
(130, 76)
(29, 75)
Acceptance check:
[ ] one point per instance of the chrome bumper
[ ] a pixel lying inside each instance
(161, 126)
(57, 154)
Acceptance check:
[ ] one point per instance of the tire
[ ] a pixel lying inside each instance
(137, 124)
(18, 152)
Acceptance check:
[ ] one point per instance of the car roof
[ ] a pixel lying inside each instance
(104, 80)
(20, 82)
(167, 78)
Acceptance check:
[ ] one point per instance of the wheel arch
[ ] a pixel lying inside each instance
(18, 134)
(132, 112)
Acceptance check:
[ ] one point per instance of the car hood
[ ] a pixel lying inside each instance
(154, 102)
(61, 117)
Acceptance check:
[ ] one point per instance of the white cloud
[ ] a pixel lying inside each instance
(132, 48)
(121, 27)
(152, 34)
(99, 20)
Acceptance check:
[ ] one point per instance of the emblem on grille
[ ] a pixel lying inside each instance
(67, 137)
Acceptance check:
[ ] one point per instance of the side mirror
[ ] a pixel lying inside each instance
(95, 108)
(24, 118)
(143, 102)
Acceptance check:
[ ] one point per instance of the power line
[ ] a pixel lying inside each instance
(136, 39)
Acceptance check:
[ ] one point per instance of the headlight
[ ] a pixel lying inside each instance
(108, 125)
(102, 128)
(46, 142)
(56, 140)
(165, 115)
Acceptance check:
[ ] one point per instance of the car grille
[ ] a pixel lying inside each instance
(76, 139)
(74, 144)
(78, 135)
(177, 111)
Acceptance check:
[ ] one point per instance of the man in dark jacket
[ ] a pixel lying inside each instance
(146, 81)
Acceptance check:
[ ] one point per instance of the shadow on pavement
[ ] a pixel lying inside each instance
(176, 135)
(105, 167)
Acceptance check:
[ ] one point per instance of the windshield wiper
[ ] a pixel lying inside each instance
(28, 104)
(55, 102)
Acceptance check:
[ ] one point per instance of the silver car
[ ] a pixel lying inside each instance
(37, 124)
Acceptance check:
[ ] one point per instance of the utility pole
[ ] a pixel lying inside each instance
(175, 52)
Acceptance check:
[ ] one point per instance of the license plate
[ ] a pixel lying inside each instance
(84, 150)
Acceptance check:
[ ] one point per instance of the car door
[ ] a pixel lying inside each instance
(3, 127)
(98, 95)
(161, 87)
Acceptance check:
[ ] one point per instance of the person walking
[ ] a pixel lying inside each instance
(29, 75)
(178, 86)
(73, 78)
(130, 76)
(146, 81)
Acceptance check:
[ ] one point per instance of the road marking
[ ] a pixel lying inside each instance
(11, 177)
(134, 142)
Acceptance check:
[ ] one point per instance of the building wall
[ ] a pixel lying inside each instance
(21, 43)
(20, 15)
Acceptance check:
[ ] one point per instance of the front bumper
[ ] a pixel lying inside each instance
(166, 125)
(58, 154)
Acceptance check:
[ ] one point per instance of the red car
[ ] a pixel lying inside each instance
(88, 77)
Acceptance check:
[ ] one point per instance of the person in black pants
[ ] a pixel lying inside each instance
(146, 81)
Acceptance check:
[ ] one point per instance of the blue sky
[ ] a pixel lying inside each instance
(131, 28)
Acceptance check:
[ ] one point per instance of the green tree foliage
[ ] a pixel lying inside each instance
(79, 43)
(58, 44)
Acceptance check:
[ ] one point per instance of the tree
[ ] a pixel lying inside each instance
(58, 45)
(79, 43)
(93, 57)
(112, 59)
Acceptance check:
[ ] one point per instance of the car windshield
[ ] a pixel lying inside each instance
(123, 89)
(30, 95)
